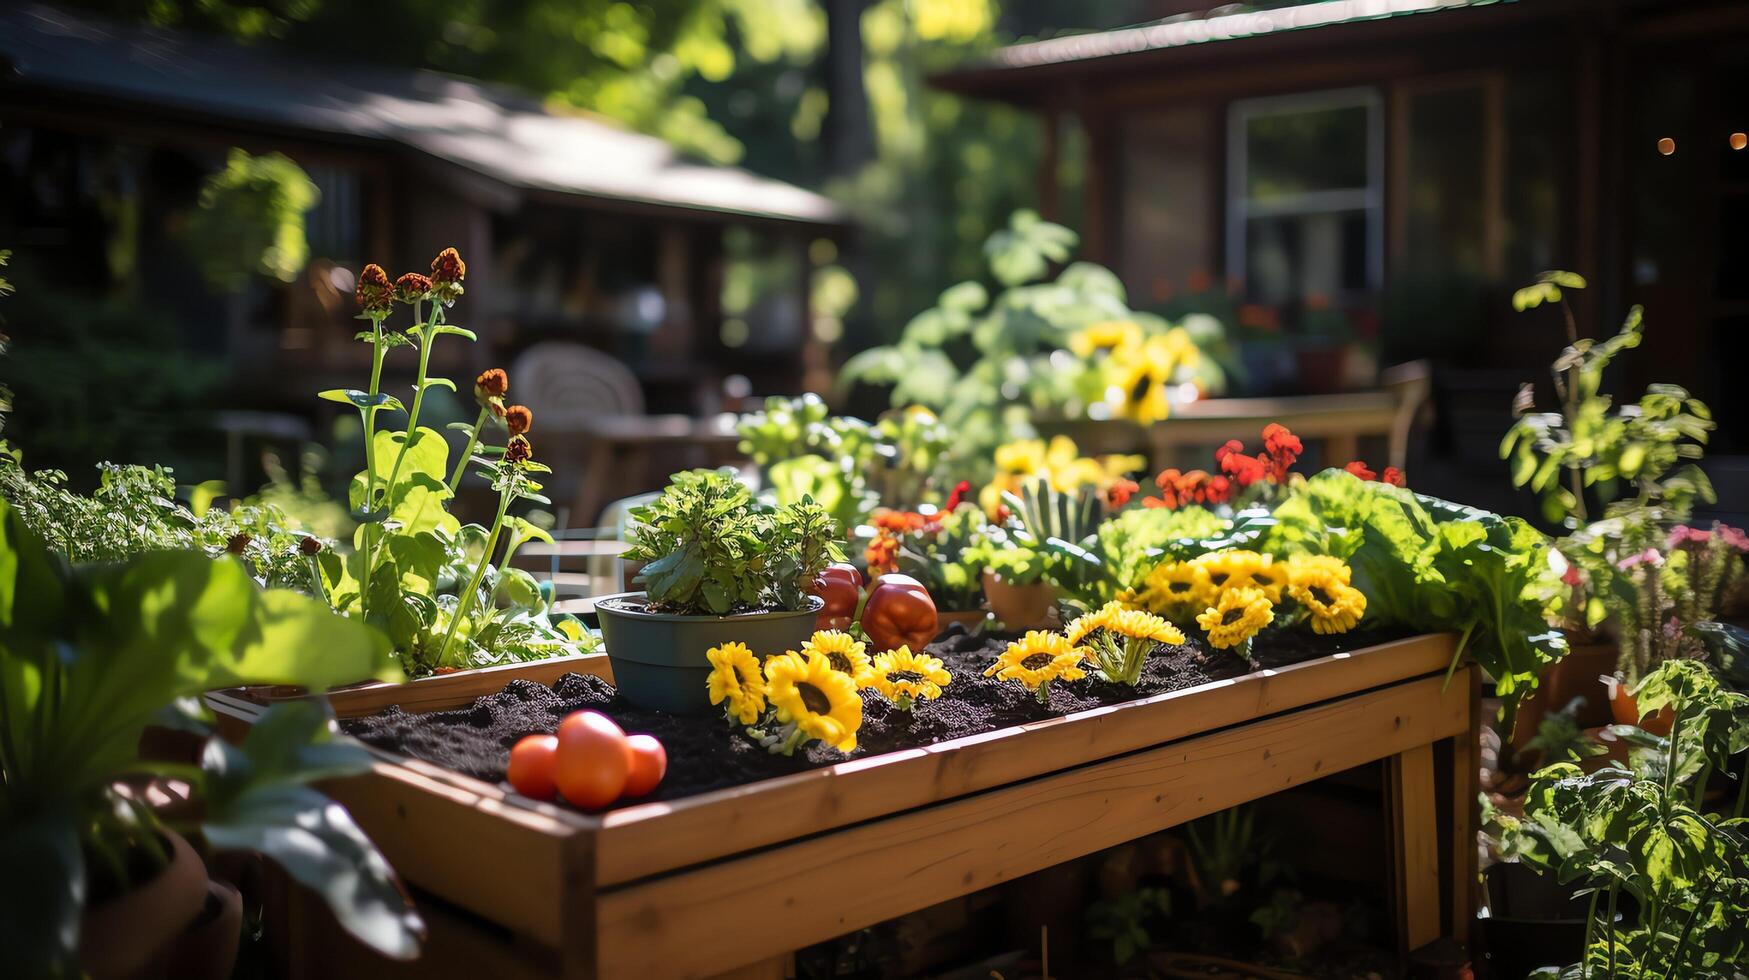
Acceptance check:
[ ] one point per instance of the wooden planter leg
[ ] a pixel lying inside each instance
(1415, 834)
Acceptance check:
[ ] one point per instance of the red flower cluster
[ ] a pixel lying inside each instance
(1194, 487)
(1281, 449)
(1120, 492)
(374, 292)
(1392, 475)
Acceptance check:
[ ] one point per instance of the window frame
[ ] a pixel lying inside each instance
(1370, 199)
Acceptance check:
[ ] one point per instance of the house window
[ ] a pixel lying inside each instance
(1305, 195)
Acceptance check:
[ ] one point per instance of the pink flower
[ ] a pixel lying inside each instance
(1682, 534)
(1732, 536)
(1571, 576)
(1648, 557)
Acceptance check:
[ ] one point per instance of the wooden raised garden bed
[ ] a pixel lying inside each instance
(733, 880)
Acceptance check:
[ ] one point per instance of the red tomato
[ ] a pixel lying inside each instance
(593, 760)
(532, 764)
(649, 765)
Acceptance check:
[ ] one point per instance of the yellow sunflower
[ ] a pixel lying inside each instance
(735, 679)
(1175, 587)
(1037, 659)
(1266, 575)
(1331, 603)
(1105, 337)
(1236, 617)
(843, 651)
(904, 678)
(1244, 570)
(1143, 376)
(1025, 457)
(1118, 640)
(1313, 567)
(816, 700)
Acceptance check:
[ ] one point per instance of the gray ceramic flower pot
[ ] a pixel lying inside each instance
(659, 658)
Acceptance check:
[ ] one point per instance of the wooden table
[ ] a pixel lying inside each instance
(730, 882)
(617, 449)
(1340, 421)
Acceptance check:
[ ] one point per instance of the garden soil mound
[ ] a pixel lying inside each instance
(705, 753)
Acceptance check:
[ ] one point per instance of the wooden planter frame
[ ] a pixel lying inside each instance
(735, 879)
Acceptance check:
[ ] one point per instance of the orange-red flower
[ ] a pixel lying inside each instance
(1392, 475)
(448, 267)
(518, 450)
(1120, 492)
(519, 419)
(375, 292)
(493, 382)
(1193, 487)
(412, 287)
(882, 555)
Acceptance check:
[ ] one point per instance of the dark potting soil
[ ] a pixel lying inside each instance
(705, 753)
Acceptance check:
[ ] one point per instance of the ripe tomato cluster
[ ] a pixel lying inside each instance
(591, 762)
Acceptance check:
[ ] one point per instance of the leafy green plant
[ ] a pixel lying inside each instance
(439, 589)
(714, 549)
(1012, 344)
(1643, 452)
(1123, 921)
(1092, 562)
(134, 511)
(847, 465)
(250, 220)
(1003, 553)
(1644, 831)
(1428, 564)
(90, 655)
(1559, 738)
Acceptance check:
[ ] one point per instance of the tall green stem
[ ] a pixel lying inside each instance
(461, 465)
(426, 341)
(467, 597)
(370, 459)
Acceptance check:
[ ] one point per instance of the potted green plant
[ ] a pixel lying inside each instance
(93, 878)
(722, 567)
(1014, 582)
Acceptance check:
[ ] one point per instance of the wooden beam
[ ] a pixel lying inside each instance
(785, 897)
(1415, 842)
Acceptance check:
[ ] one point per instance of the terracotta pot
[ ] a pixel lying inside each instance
(131, 935)
(208, 950)
(1626, 709)
(1021, 607)
(1579, 674)
(969, 618)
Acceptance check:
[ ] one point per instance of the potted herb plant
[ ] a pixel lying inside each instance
(92, 878)
(723, 567)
